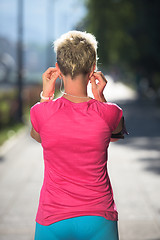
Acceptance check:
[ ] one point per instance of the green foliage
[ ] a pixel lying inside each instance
(9, 106)
(128, 34)
(108, 20)
(9, 131)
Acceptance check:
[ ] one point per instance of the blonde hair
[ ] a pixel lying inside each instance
(76, 53)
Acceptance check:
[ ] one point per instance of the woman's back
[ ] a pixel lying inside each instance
(75, 138)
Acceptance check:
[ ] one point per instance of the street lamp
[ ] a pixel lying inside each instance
(20, 60)
(50, 28)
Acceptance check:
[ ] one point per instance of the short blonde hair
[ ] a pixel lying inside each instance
(76, 53)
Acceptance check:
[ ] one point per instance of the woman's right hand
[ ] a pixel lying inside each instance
(97, 89)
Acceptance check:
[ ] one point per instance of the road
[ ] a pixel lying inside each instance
(134, 169)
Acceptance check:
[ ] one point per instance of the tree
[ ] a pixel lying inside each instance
(128, 35)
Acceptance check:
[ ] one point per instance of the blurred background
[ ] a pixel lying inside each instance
(129, 55)
(127, 32)
(27, 31)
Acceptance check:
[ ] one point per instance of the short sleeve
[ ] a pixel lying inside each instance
(39, 114)
(113, 114)
(33, 118)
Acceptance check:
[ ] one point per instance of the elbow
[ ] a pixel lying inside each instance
(36, 138)
(31, 134)
(114, 139)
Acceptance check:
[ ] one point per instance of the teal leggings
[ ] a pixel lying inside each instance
(78, 228)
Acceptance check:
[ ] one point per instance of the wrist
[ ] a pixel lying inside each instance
(103, 98)
(46, 97)
(100, 98)
(43, 100)
(46, 94)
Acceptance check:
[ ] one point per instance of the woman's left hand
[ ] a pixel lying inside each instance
(49, 78)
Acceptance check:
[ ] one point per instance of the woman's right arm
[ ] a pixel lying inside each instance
(117, 131)
(97, 90)
(119, 127)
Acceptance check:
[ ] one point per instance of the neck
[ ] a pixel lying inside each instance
(76, 87)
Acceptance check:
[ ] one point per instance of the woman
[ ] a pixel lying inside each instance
(76, 198)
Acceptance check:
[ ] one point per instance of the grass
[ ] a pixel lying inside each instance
(9, 131)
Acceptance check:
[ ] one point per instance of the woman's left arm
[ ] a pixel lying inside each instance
(35, 135)
(49, 77)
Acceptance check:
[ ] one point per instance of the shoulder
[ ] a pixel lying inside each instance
(39, 105)
(42, 105)
(113, 110)
(46, 108)
(111, 106)
(107, 107)
(110, 112)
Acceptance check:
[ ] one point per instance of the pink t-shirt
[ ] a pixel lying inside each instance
(75, 138)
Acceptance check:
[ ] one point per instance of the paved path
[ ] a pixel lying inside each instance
(134, 168)
(21, 172)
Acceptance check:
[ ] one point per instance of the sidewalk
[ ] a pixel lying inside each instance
(21, 173)
(134, 169)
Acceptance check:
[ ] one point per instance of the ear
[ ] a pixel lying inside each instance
(92, 71)
(94, 67)
(57, 67)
